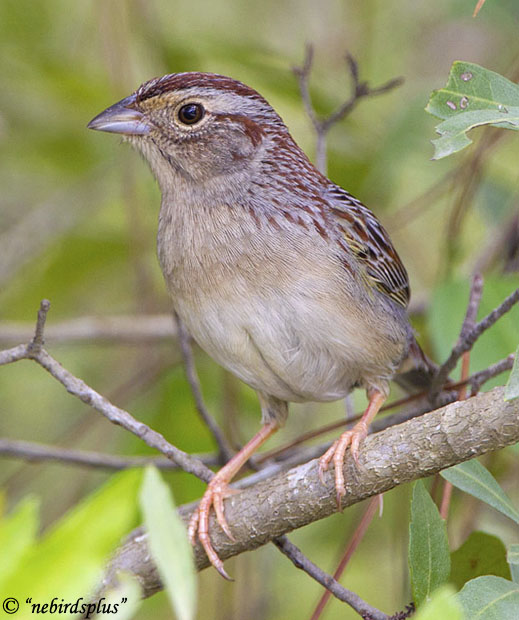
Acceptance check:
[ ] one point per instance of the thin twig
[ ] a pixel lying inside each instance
(301, 561)
(36, 452)
(476, 290)
(477, 379)
(36, 343)
(224, 449)
(86, 394)
(8, 356)
(358, 90)
(303, 75)
(123, 329)
(446, 499)
(478, 7)
(358, 535)
(465, 343)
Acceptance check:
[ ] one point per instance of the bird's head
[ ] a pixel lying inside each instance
(196, 125)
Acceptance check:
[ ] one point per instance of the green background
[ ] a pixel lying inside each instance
(78, 216)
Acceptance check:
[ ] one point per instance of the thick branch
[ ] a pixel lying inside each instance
(415, 449)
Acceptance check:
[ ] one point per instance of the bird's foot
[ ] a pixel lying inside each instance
(217, 490)
(336, 453)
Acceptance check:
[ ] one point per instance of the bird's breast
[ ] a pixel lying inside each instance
(275, 306)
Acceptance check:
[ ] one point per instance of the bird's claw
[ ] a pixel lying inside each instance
(216, 492)
(336, 453)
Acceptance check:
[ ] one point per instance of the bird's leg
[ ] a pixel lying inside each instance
(217, 490)
(352, 439)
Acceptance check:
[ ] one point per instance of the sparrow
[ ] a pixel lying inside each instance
(283, 277)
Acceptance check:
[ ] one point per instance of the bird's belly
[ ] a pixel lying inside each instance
(293, 348)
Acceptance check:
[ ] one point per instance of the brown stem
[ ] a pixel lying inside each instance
(358, 535)
(359, 90)
(332, 586)
(121, 329)
(36, 452)
(466, 341)
(89, 396)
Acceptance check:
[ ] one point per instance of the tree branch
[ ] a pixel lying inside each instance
(476, 291)
(32, 451)
(89, 396)
(139, 329)
(354, 542)
(415, 449)
(334, 587)
(477, 379)
(467, 339)
(359, 90)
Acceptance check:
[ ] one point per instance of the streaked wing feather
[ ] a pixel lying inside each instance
(371, 245)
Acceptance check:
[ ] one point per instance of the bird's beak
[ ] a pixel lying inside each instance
(121, 117)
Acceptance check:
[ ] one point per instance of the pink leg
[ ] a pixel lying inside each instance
(217, 490)
(352, 439)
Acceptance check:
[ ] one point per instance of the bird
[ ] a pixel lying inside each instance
(283, 277)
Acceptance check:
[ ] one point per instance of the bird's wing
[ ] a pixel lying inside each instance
(370, 244)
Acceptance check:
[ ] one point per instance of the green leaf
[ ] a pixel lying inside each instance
(474, 478)
(512, 386)
(17, 535)
(70, 557)
(513, 560)
(453, 130)
(481, 554)
(169, 544)
(443, 604)
(429, 559)
(473, 96)
(485, 90)
(490, 598)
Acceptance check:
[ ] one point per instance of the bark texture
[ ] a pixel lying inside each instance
(415, 449)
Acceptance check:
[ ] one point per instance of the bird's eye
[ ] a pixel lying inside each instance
(190, 113)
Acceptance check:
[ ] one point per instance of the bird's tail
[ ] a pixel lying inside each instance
(417, 371)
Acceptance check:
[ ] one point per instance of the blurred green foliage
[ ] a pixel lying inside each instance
(78, 218)
(66, 562)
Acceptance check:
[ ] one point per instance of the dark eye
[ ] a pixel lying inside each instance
(190, 113)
